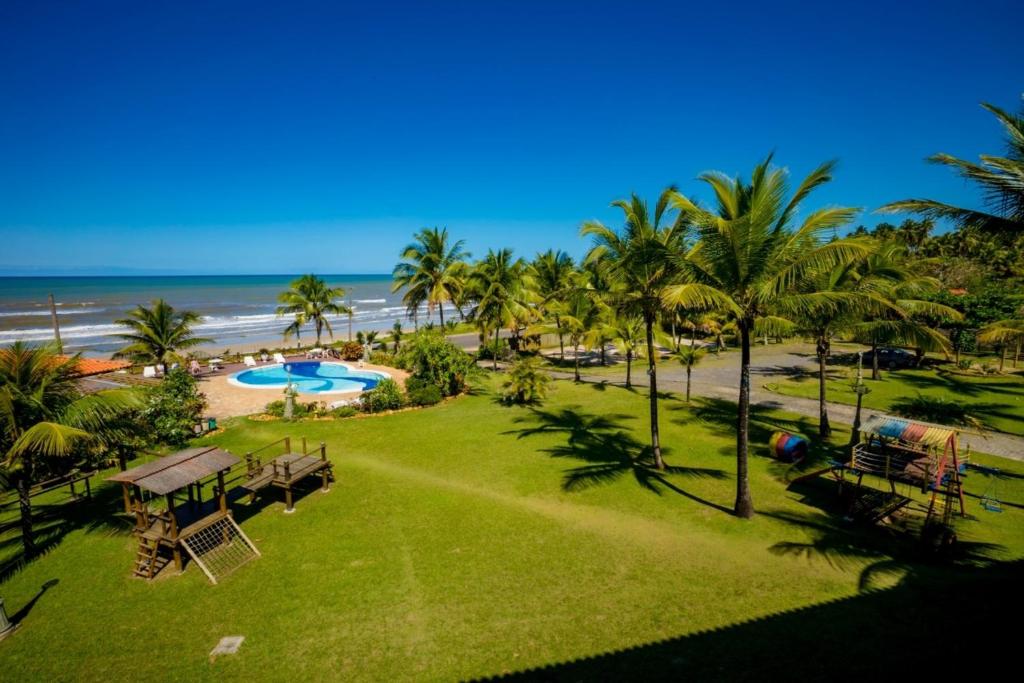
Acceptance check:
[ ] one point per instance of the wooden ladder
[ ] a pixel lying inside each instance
(146, 558)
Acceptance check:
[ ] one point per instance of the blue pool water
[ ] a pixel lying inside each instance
(309, 377)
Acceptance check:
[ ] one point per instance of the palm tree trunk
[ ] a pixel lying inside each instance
(561, 344)
(629, 364)
(744, 507)
(576, 358)
(494, 351)
(1016, 353)
(604, 360)
(28, 541)
(874, 360)
(653, 374)
(1002, 356)
(675, 339)
(824, 428)
(689, 368)
(440, 311)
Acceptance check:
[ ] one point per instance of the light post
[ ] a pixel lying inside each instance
(860, 389)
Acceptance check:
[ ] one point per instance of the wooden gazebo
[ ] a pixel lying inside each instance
(206, 536)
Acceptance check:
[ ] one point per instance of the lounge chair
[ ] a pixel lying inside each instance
(278, 358)
(250, 361)
(149, 371)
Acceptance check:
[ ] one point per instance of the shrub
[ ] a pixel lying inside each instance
(494, 349)
(387, 395)
(423, 394)
(344, 411)
(432, 359)
(351, 351)
(174, 407)
(382, 358)
(526, 382)
(276, 408)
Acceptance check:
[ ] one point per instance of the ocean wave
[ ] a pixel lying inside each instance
(72, 311)
(370, 301)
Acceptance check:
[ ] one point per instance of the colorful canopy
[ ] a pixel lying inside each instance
(908, 430)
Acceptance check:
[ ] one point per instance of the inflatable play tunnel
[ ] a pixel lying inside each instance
(787, 447)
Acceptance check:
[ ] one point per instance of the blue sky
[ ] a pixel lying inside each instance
(237, 137)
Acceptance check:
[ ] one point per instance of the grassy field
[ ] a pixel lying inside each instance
(996, 400)
(472, 539)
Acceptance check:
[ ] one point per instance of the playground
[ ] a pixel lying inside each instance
(472, 539)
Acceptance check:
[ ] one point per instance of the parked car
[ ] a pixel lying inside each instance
(891, 358)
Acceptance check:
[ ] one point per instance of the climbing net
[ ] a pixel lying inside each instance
(220, 548)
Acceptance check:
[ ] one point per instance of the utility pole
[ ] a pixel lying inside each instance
(56, 325)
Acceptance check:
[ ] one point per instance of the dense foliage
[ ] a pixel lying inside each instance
(526, 383)
(429, 357)
(420, 392)
(173, 408)
(387, 395)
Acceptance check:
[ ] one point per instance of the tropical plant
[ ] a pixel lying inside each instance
(158, 333)
(582, 315)
(396, 334)
(1003, 333)
(500, 286)
(387, 395)
(173, 408)
(310, 300)
(431, 358)
(360, 337)
(526, 383)
(688, 356)
(432, 271)
(371, 338)
(639, 262)
(627, 332)
(552, 270)
(747, 261)
(999, 178)
(44, 415)
(421, 392)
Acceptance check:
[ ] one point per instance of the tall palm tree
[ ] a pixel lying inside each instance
(688, 356)
(44, 414)
(749, 255)
(396, 334)
(310, 300)
(639, 262)
(627, 332)
(1001, 179)
(432, 271)
(500, 287)
(551, 272)
(158, 333)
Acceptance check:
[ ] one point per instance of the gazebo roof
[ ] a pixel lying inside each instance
(176, 471)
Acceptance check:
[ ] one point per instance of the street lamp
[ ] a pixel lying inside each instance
(860, 389)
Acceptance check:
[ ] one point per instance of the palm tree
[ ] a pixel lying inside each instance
(551, 272)
(158, 333)
(638, 261)
(396, 334)
(432, 271)
(628, 333)
(999, 178)
(311, 300)
(500, 287)
(748, 256)
(371, 338)
(43, 414)
(689, 356)
(1002, 333)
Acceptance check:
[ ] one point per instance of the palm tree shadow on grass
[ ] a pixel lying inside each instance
(609, 453)
(878, 551)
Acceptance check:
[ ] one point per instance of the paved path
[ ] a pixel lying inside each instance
(718, 377)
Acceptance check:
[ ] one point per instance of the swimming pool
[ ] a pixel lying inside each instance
(309, 377)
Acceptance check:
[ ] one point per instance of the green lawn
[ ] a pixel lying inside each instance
(996, 400)
(472, 539)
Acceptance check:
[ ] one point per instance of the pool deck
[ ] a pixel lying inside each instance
(229, 400)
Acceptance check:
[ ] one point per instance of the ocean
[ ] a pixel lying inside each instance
(237, 310)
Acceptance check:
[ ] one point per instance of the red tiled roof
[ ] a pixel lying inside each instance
(97, 366)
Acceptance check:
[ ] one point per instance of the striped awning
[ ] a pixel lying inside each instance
(908, 430)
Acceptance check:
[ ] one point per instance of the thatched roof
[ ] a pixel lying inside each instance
(173, 472)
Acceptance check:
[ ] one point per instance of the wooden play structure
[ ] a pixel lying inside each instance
(207, 532)
(903, 452)
(286, 470)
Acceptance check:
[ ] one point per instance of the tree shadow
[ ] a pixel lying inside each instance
(609, 453)
(894, 550)
(20, 615)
